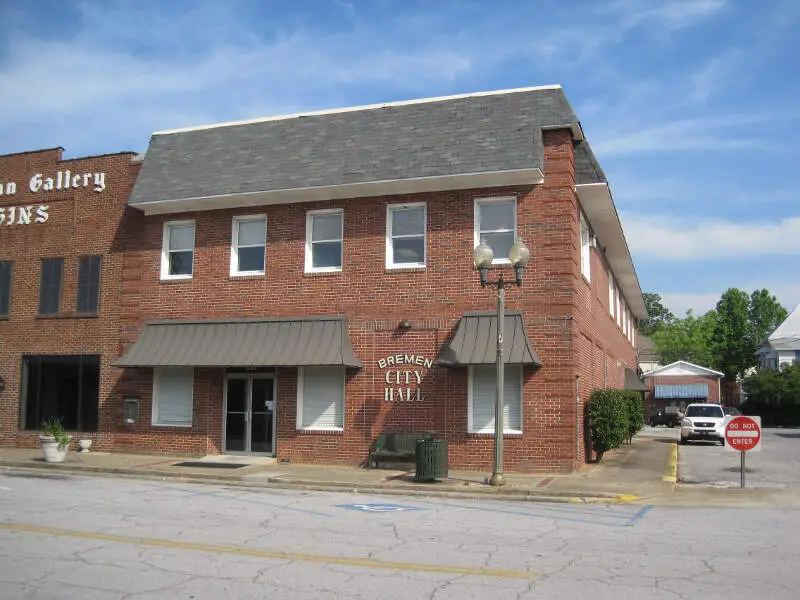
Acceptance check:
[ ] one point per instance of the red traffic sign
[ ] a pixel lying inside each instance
(742, 434)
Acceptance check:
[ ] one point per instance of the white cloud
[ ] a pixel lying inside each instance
(679, 303)
(712, 78)
(721, 132)
(788, 294)
(670, 238)
(666, 14)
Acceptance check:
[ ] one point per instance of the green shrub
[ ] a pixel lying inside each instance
(774, 396)
(635, 412)
(607, 412)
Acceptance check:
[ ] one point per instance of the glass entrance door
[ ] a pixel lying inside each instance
(249, 414)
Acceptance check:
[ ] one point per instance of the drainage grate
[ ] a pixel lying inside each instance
(211, 465)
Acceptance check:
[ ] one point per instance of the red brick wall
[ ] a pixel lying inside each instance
(81, 222)
(374, 301)
(565, 316)
(602, 348)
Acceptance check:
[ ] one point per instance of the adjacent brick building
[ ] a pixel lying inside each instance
(294, 286)
(679, 384)
(60, 269)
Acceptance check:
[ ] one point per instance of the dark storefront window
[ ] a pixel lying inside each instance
(88, 284)
(50, 286)
(6, 268)
(60, 386)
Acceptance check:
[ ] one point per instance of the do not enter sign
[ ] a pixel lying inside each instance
(742, 434)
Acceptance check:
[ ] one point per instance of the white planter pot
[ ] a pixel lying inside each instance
(53, 452)
(84, 445)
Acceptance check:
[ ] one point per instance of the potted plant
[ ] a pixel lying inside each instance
(55, 440)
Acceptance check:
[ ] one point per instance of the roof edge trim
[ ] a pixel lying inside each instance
(366, 189)
(315, 113)
(598, 204)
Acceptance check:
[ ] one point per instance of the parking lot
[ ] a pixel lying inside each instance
(776, 466)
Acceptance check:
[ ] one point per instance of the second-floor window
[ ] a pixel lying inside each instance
(248, 250)
(496, 222)
(610, 294)
(88, 284)
(405, 235)
(177, 254)
(324, 230)
(6, 270)
(50, 286)
(586, 244)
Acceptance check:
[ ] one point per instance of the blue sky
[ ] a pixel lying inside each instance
(690, 105)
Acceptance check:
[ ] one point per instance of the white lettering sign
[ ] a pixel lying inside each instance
(23, 215)
(62, 180)
(403, 385)
(65, 180)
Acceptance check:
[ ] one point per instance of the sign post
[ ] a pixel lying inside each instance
(742, 434)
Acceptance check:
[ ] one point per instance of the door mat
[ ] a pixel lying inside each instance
(211, 465)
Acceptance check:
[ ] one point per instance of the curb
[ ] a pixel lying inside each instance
(513, 495)
(671, 472)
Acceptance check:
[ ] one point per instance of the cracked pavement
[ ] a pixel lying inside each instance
(112, 538)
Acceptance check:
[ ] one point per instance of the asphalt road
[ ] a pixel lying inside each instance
(776, 466)
(86, 538)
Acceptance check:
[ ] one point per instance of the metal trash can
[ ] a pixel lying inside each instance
(431, 458)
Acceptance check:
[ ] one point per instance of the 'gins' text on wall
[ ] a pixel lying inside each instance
(23, 215)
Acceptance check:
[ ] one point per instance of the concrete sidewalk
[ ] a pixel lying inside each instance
(633, 473)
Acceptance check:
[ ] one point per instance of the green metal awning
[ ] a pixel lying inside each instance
(243, 343)
(475, 341)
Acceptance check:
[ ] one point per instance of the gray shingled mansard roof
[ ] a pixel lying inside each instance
(475, 133)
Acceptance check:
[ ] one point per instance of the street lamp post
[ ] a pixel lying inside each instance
(518, 255)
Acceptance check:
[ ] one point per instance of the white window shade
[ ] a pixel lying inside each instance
(252, 232)
(610, 294)
(172, 396)
(586, 255)
(320, 398)
(483, 390)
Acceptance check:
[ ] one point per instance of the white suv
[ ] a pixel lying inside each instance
(703, 422)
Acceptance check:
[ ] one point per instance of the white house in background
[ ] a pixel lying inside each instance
(782, 346)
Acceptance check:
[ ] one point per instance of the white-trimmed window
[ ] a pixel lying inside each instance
(405, 235)
(586, 253)
(624, 318)
(249, 244)
(177, 251)
(324, 229)
(496, 222)
(172, 396)
(320, 398)
(482, 390)
(610, 294)
(619, 308)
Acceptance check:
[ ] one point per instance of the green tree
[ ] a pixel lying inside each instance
(765, 314)
(733, 334)
(658, 315)
(689, 339)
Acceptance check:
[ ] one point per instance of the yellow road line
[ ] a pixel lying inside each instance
(671, 472)
(276, 554)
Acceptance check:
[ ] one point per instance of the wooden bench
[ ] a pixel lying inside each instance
(393, 445)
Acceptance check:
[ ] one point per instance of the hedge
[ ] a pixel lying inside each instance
(614, 417)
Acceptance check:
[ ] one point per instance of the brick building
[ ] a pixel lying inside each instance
(679, 384)
(60, 269)
(295, 285)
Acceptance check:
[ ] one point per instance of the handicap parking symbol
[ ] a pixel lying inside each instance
(379, 508)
